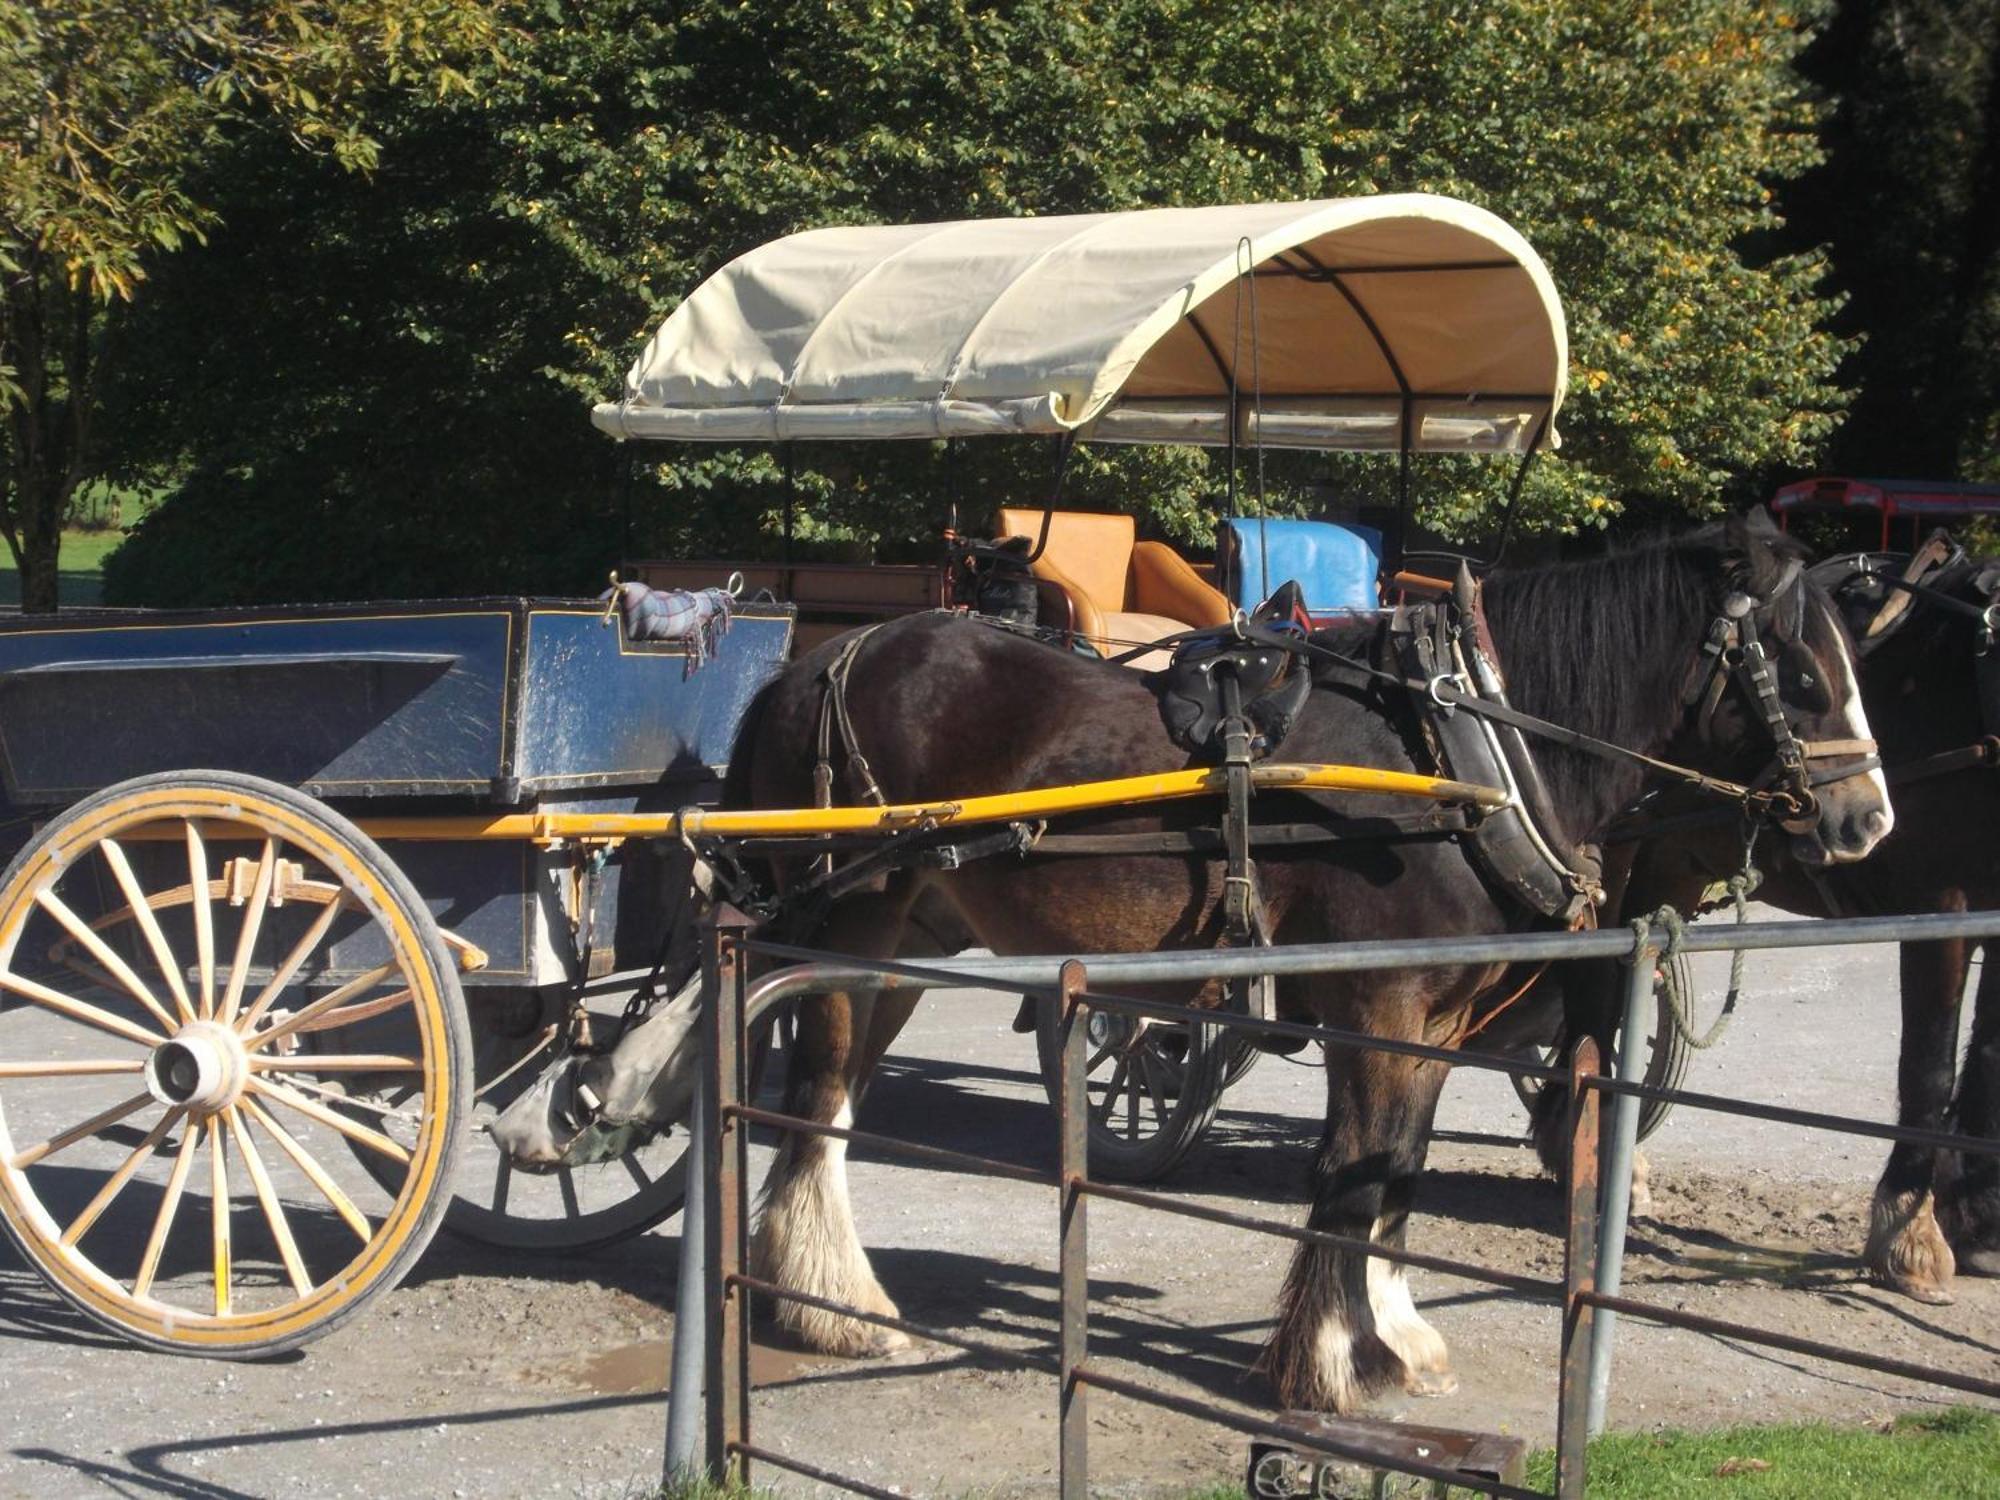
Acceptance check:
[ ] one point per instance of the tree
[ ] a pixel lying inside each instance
(108, 109)
(539, 228)
(1908, 203)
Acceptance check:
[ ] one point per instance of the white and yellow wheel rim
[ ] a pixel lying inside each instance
(165, 950)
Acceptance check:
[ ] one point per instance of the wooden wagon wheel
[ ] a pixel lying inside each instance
(1667, 1051)
(1154, 1088)
(169, 1146)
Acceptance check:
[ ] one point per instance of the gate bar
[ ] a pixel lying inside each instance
(1579, 1276)
(684, 1379)
(1673, 1317)
(1617, 1185)
(1073, 1264)
(1533, 1286)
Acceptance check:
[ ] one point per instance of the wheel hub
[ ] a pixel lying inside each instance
(201, 1067)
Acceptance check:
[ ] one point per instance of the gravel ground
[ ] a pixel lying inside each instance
(497, 1375)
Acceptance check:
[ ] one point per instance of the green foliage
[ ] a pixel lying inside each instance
(1909, 202)
(444, 330)
(108, 111)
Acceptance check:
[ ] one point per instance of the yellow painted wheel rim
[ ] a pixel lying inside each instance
(75, 842)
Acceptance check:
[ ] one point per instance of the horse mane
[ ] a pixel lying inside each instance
(1605, 645)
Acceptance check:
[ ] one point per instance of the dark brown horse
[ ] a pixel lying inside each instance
(945, 706)
(1933, 1212)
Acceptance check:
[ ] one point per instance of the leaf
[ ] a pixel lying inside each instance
(1733, 1466)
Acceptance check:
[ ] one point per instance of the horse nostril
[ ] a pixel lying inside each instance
(1877, 822)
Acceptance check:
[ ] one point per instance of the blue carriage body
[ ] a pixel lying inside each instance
(439, 708)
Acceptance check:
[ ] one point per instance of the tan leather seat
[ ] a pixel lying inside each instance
(1121, 591)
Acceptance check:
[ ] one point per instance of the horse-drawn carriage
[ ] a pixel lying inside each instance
(287, 981)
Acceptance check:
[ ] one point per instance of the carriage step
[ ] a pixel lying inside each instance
(1280, 1468)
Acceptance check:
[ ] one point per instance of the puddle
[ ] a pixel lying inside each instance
(641, 1369)
(1790, 1265)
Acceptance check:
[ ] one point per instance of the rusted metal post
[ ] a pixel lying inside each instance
(1074, 1116)
(1579, 1275)
(728, 1316)
(1617, 1192)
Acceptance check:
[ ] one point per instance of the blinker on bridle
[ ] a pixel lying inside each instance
(1734, 652)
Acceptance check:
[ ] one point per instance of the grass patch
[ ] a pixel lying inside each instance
(81, 580)
(1952, 1453)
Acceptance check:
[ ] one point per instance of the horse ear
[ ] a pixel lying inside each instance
(1751, 553)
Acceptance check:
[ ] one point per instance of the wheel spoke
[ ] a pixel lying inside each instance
(566, 1183)
(321, 1006)
(332, 1119)
(274, 1212)
(246, 937)
(1153, 1089)
(1131, 1104)
(308, 1164)
(218, 1187)
(117, 1180)
(103, 952)
(80, 1010)
(637, 1173)
(342, 1062)
(282, 975)
(1101, 1113)
(503, 1182)
(1098, 1057)
(204, 916)
(90, 1127)
(149, 924)
(80, 1068)
(164, 1220)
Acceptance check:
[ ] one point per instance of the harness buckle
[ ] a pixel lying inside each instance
(1455, 681)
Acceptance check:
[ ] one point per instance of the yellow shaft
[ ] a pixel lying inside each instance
(1124, 791)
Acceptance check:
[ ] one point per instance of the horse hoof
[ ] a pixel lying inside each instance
(1931, 1293)
(1430, 1383)
(882, 1342)
(1980, 1261)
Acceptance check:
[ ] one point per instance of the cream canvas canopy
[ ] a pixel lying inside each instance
(1405, 321)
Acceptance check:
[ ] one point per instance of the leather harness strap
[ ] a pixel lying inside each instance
(833, 715)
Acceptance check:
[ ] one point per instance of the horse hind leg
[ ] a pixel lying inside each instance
(1347, 1327)
(806, 1240)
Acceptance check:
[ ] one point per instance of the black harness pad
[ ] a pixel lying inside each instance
(1273, 683)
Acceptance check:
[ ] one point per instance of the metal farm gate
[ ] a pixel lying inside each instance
(709, 1428)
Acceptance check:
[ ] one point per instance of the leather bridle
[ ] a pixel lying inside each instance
(1733, 651)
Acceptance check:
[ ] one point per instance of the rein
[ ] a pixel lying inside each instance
(1784, 791)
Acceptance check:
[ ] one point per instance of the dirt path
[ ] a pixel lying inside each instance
(489, 1375)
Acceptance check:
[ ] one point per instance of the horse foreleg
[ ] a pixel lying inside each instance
(1969, 1190)
(1347, 1326)
(1907, 1250)
(806, 1240)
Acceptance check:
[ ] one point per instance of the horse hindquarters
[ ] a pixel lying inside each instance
(1347, 1326)
(805, 1239)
